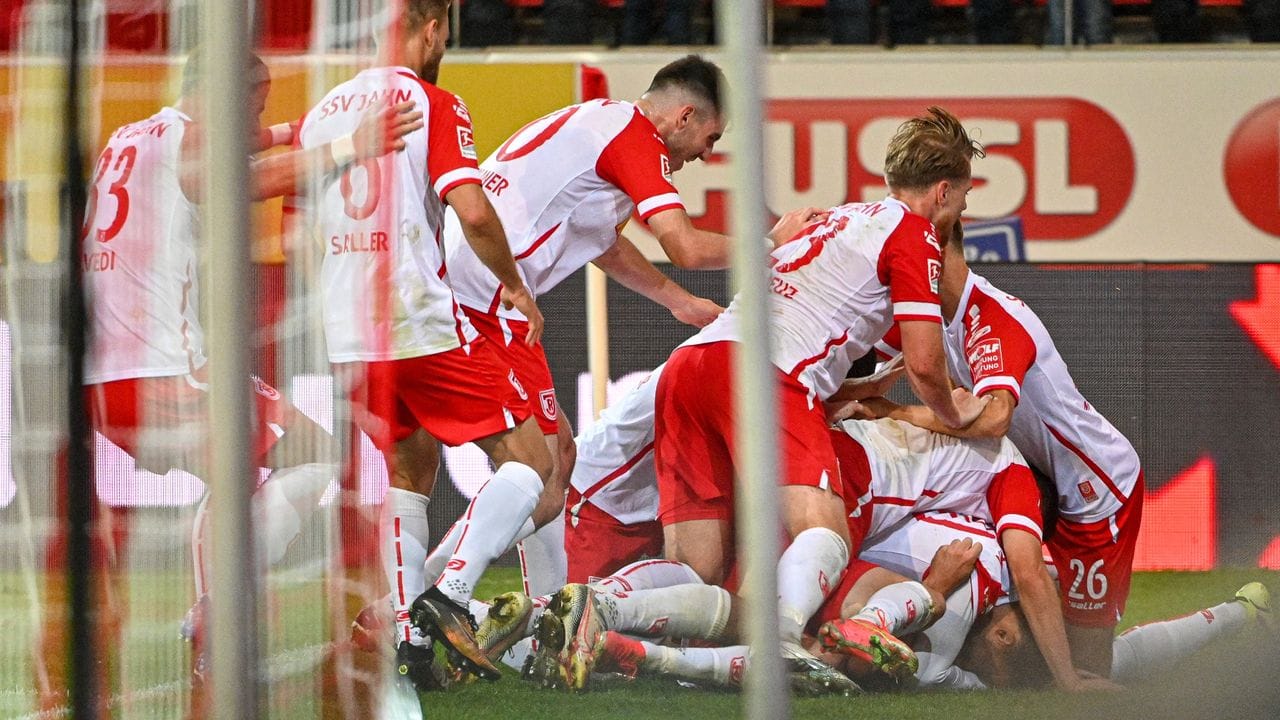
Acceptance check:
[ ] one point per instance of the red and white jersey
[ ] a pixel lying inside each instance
(140, 256)
(614, 467)
(996, 341)
(380, 221)
(839, 285)
(909, 548)
(564, 185)
(908, 551)
(894, 470)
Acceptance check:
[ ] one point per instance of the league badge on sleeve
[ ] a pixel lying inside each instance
(666, 167)
(466, 143)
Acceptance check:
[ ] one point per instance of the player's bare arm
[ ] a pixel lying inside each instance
(926, 366)
(484, 233)
(624, 263)
(380, 132)
(687, 246)
(992, 423)
(1038, 594)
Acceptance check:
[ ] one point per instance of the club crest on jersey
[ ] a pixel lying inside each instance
(467, 143)
(515, 383)
(1086, 491)
(666, 167)
(547, 401)
(935, 274)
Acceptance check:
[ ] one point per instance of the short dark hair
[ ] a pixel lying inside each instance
(193, 72)
(694, 74)
(419, 12)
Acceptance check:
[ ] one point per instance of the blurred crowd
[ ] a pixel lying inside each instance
(286, 25)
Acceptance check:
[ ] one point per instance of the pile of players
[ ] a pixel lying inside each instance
(903, 522)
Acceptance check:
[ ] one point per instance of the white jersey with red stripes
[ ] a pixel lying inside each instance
(838, 286)
(614, 466)
(140, 256)
(913, 470)
(909, 548)
(997, 342)
(386, 291)
(564, 185)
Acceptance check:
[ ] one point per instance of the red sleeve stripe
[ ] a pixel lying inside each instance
(998, 382)
(887, 351)
(922, 318)
(619, 472)
(1020, 522)
(657, 203)
(454, 178)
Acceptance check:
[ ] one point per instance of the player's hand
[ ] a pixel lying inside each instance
(874, 408)
(698, 312)
(841, 411)
(1089, 682)
(952, 564)
(969, 405)
(792, 222)
(383, 130)
(521, 300)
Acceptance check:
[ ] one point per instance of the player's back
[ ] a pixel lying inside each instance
(1092, 463)
(563, 186)
(380, 220)
(830, 291)
(139, 256)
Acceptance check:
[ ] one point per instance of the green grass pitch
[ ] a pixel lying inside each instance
(1236, 679)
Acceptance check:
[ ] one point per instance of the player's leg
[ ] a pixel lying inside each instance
(1143, 651)
(1095, 567)
(543, 563)
(403, 530)
(845, 625)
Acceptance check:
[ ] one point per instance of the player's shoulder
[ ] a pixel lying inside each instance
(986, 297)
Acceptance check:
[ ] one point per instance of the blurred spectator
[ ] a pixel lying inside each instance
(1263, 17)
(568, 22)
(639, 18)
(486, 22)
(852, 23)
(1091, 22)
(1176, 21)
(994, 22)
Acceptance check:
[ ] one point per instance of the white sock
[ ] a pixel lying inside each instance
(808, 570)
(199, 546)
(439, 557)
(287, 498)
(647, 575)
(1144, 650)
(543, 562)
(901, 608)
(722, 666)
(684, 612)
(404, 534)
(489, 526)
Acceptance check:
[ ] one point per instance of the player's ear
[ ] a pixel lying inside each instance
(687, 115)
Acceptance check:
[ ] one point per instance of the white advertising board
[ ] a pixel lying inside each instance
(1105, 155)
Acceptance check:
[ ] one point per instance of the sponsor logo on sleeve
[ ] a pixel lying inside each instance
(932, 239)
(935, 274)
(460, 109)
(467, 143)
(666, 167)
(986, 359)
